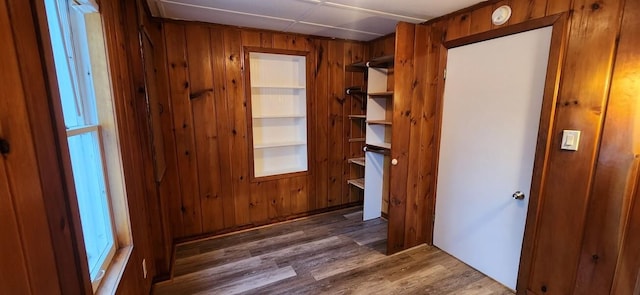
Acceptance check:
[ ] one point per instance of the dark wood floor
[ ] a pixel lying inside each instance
(333, 253)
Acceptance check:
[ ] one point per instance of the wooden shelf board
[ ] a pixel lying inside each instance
(356, 139)
(359, 183)
(381, 62)
(378, 122)
(387, 94)
(278, 144)
(357, 161)
(357, 116)
(384, 145)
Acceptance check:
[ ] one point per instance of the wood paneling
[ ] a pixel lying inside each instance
(321, 111)
(209, 108)
(581, 105)
(400, 141)
(622, 159)
(183, 128)
(615, 180)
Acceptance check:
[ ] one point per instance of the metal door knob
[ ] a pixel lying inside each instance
(518, 195)
(394, 162)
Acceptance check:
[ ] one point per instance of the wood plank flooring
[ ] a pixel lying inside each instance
(332, 253)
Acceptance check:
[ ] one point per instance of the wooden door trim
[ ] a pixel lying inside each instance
(559, 38)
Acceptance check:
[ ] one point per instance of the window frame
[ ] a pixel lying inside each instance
(99, 96)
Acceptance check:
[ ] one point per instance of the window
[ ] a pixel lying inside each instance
(80, 61)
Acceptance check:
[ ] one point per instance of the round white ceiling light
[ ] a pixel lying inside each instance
(501, 15)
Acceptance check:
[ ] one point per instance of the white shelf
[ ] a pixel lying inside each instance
(279, 171)
(277, 144)
(279, 86)
(279, 116)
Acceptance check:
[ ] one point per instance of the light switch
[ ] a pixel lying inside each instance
(570, 140)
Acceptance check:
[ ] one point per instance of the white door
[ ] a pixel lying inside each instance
(492, 102)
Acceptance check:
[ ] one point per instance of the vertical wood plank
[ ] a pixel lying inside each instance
(171, 188)
(237, 107)
(481, 20)
(336, 122)
(428, 140)
(627, 274)
(403, 91)
(459, 26)
(559, 6)
(581, 103)
(624, 93)
(14, 278)
(223, 125)
(312, 138)
(183, 128)
(266, 39)
(299, 195)
(260, 195)
(617, 166)
(282, 195)
(321, 124)
(415, 201)
(203, 108)
(526, 10)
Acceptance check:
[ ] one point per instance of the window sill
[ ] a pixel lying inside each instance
(109, 284)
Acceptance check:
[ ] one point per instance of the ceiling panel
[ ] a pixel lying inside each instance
(313, 29)
(289, 9)
(185, 12)
(416, 8)
(350, 19)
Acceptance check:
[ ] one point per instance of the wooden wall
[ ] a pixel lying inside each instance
(210, 136)
(583, 215)
(42, 248)
(38, 235)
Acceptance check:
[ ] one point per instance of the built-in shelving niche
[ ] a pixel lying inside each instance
(278, 112)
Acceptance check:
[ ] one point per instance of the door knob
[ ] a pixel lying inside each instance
(518, 195)
(394, 162)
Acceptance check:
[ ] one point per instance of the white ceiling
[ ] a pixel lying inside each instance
(347, 19)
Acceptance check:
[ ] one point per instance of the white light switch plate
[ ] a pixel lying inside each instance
(570, 140)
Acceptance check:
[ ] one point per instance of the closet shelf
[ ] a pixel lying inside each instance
(356, 139)
(378, 62)
(384, 145)
(378, 122)
(278, 116)
(381, 62)
(357, 116)
(280, 86)
(359, 183)
(278, 144)
(280, 171)
(357, 161)
(387, 94)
